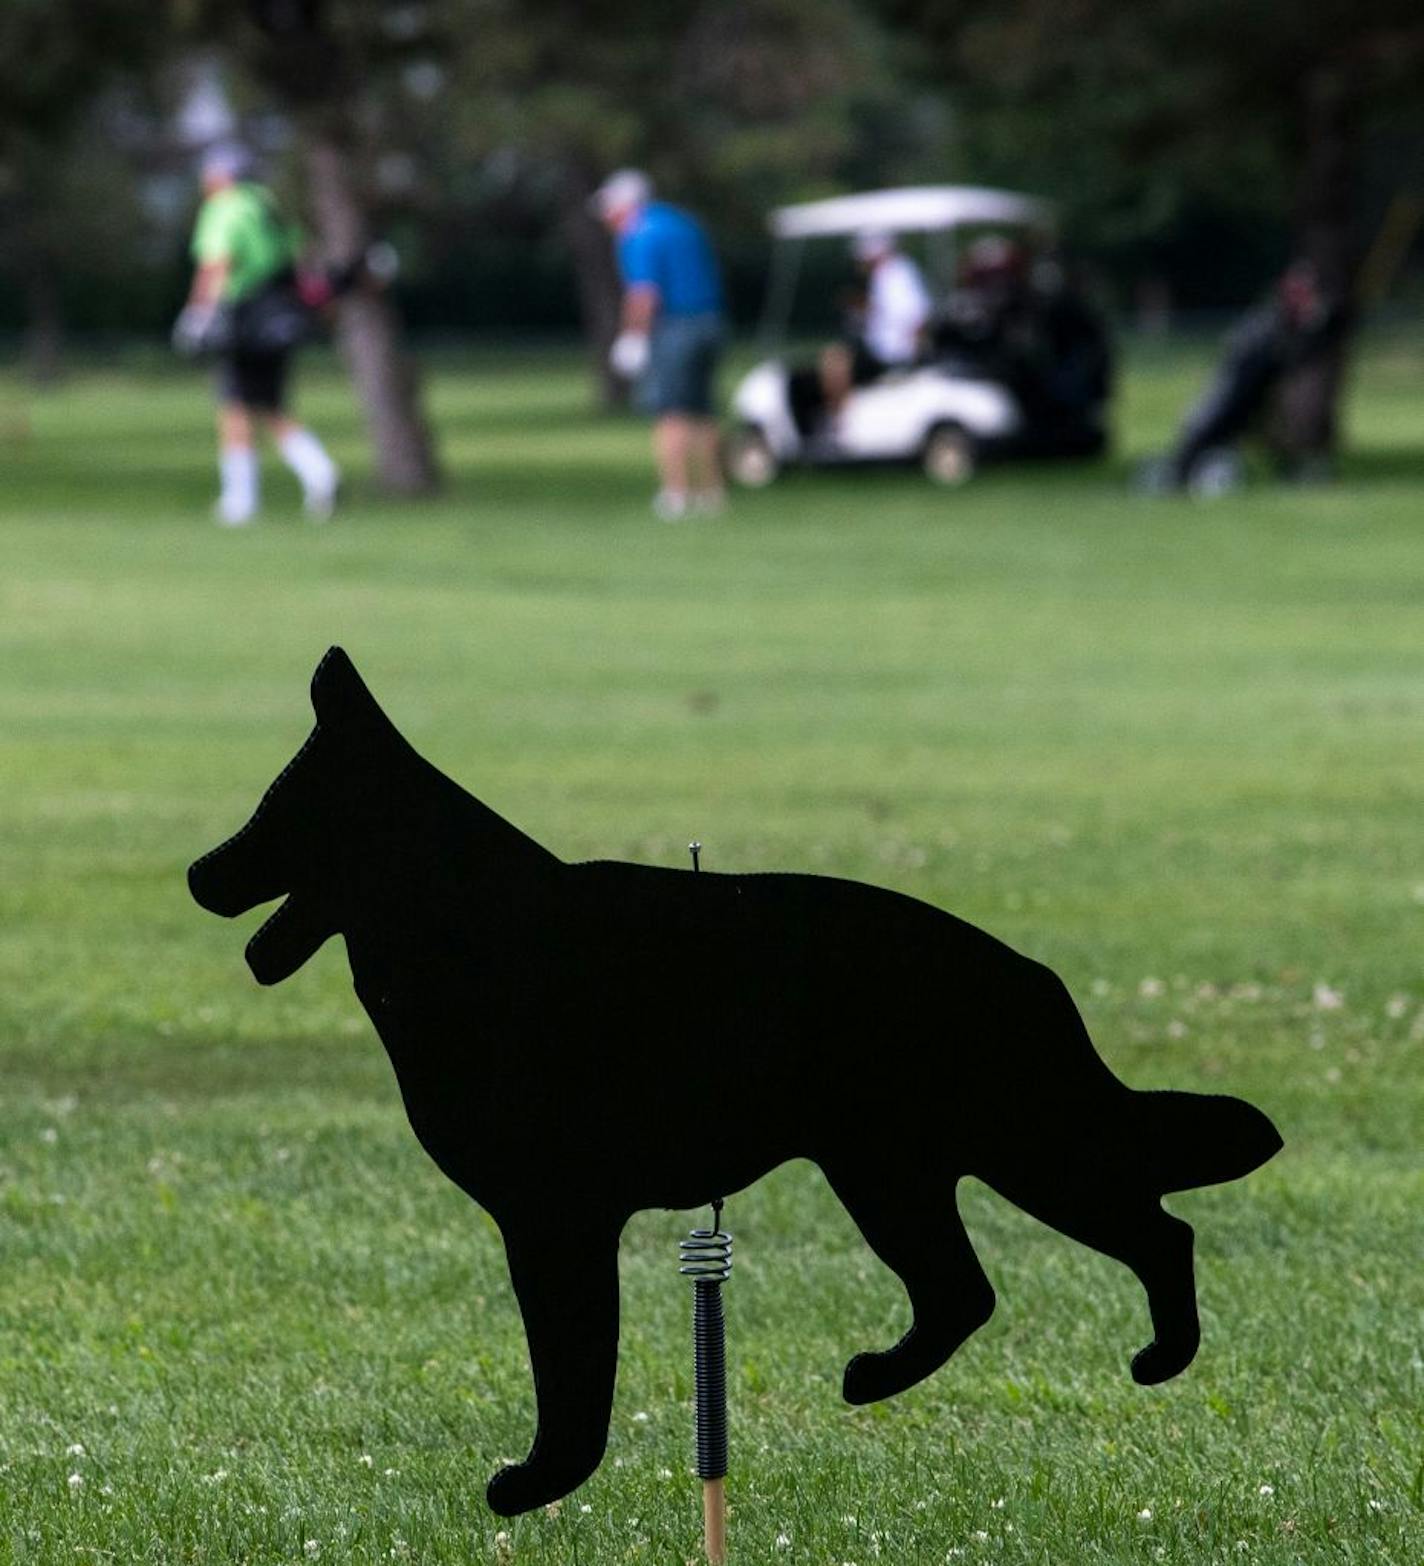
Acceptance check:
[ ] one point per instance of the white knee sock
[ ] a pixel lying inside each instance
(237, 468)
(305, 455)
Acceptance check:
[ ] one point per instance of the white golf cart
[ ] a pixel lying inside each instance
(947, 412)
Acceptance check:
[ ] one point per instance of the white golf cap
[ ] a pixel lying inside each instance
(872, 243)
(625, 188)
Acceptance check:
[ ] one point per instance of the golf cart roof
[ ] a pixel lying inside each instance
(910, 209)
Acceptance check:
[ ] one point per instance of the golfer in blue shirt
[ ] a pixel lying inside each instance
(671, 336)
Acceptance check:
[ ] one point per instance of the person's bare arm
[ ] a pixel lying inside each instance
(640, 305)
(208, 283)
(191, 329)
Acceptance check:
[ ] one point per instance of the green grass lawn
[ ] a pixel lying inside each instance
(1173, 750)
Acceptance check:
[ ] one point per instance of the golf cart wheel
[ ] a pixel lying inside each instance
(949, 456)
(749, 459)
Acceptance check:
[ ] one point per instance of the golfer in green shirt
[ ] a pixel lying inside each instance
(242, 248)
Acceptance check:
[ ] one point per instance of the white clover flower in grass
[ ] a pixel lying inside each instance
(311, 1549)
(1396, 1006)
(783, 1541)
(641, 1418)
(585, 1510)
(1326, 998)
(1376, 1505)
(49, 1136)
(366, 1460)
(1267, 1490)
(1145, 1515)
(1151, 988)
(74, 1450)
(664, 1473)
(76, 1481)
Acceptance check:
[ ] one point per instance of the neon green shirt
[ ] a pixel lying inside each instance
(239, 225)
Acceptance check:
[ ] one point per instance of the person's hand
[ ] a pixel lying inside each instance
(629, 354)
(191, 329)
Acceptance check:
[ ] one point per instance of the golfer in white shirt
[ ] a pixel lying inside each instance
(897, 309)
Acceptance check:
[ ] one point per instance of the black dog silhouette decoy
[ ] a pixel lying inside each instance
(536, 1015)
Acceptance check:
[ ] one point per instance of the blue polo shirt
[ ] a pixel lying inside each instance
(667, 248)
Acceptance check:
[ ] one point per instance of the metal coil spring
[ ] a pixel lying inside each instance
(706, 1255)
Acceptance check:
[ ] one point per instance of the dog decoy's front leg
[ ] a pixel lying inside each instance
(566, 1281)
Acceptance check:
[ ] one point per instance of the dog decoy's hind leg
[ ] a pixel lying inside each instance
(1159, 1251)
(566, 1281)
(1138, 1232)
(924, 1242)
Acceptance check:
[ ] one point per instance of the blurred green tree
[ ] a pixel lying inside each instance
(729, 104)
(1127, 112)
(56, 58)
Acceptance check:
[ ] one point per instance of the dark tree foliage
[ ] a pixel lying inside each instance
(56, 58)
(1129, 113)
(729, 104)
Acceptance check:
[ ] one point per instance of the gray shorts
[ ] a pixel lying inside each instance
(682, 363)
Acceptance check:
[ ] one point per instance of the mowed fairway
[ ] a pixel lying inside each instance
(1175, 751)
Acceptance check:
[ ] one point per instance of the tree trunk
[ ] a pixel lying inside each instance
(1307, 404)
(368, 328)
(44, 323)
(600, 292)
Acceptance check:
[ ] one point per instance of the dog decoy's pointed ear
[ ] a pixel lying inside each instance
(339, 694)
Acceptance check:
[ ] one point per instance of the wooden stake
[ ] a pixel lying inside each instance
(714, 1520)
